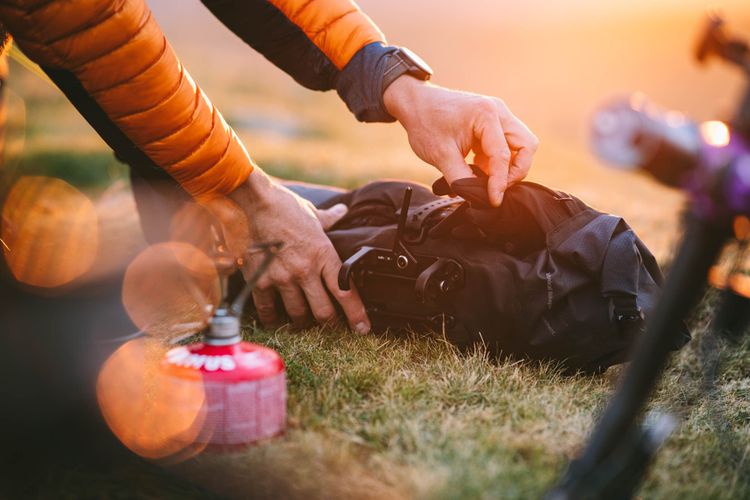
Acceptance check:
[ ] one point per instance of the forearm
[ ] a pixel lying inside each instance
(116, 53)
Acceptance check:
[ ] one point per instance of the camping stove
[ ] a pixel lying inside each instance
(244, 383)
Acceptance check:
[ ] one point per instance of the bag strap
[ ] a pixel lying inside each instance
(621, 269)
(625, 309)
(415, 221)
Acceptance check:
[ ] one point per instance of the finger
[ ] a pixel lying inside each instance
(495, 148)
(265, 306)
(523, 143)
(351, 303)
(454, 167)
(317, 297)
(520, 166)
(295, 305)
(331, 216)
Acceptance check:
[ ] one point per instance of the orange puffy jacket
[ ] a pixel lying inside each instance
(120, 56)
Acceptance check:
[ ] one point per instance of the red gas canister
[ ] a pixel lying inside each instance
(244, 384)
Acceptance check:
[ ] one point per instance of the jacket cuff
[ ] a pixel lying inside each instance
(360, 83)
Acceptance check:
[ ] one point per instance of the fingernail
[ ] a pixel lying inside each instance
(339, 208)
(362, 328)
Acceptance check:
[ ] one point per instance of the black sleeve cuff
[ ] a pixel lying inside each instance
(360, 83)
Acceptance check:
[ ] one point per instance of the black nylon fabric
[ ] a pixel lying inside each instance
(546, 276)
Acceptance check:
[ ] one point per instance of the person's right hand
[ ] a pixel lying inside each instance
(444, 125)
(305, 271)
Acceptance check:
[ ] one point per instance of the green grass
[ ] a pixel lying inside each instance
(413, 417)
(89, 170)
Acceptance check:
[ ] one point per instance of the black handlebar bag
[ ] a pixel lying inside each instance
(544, 276)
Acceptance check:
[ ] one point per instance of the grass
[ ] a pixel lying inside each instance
(86, 170)
(374, 417)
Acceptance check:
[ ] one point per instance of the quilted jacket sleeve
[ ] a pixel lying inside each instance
(119, 54)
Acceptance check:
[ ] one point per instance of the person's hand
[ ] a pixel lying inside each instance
(305, 271)
(445, 125)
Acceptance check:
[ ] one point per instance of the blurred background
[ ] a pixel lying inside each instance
(553, 64)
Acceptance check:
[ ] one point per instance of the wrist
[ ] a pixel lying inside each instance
(399, 97)
(255, 193)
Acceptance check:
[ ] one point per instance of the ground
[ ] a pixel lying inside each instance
(374, 417)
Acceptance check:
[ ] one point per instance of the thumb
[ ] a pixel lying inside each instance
(331, 216)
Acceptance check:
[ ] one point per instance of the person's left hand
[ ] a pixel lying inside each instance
(445, 125)
(304, 273)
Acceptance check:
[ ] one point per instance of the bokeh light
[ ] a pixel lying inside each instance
(193, 224)
(740, 284)
(741, 227)
(732, 269)
(171, 289)
(50, 232)
(156, 415)
(715, 133)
